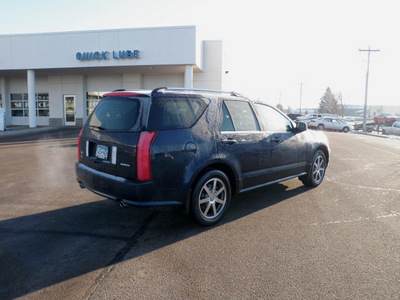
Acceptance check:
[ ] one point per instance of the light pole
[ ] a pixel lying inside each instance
(366, 88)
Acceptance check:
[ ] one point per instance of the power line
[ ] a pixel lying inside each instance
(366, 87)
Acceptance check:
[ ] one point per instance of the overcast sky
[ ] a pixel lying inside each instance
(270, 47)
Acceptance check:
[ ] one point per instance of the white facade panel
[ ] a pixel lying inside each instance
(155, 46)
(211, 77)
(153, 81)
(167, 57)
(104, 83)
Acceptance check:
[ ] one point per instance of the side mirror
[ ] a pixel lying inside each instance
(301, 126)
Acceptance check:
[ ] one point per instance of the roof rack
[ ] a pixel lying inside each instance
(196, 90)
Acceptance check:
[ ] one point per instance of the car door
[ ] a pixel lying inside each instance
(396, 128)
(328, 123)
(288, 149)
(241, 142)
(337, 125)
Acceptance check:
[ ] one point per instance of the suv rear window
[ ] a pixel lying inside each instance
(175, 113)
(115, 113)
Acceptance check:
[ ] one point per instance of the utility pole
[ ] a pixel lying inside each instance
(366, 88)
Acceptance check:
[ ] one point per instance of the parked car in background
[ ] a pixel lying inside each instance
(394, 129)
(294, 116)
(308, 118)
(330, 124)
(349, 121)
(193, 149)
(385, 118)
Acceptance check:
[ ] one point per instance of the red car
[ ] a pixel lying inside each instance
(385, 118)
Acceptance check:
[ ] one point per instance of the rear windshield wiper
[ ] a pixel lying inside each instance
(97, 127)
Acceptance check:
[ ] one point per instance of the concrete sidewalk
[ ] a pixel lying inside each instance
(25, 130)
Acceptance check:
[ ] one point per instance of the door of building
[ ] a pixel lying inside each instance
(69, 110)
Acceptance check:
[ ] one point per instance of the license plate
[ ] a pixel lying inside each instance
(101, 152)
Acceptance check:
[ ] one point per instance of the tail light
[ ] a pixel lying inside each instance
(79, 145)
(143, 155)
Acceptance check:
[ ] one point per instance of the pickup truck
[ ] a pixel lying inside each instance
(394, 129)
(385, 118)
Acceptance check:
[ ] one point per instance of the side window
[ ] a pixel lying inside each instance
(242, 115)
(226, 122)
(175, 113)
(272, 119)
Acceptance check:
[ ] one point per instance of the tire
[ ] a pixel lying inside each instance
(211, 197)
(317, 170)
(346, 129)
(320, 127)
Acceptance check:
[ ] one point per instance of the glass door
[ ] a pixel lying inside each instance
(69, 110)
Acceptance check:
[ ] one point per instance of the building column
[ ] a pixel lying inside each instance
(189, 77)
(5, 94)
(31, 98)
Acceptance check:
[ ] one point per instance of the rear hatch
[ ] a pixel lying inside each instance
(110, 137)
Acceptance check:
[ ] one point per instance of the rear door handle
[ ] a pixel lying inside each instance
(229, 141)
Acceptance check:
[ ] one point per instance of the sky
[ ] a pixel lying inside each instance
(272, 49)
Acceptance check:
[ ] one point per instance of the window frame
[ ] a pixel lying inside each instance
(292, 124)
(91, 103)
(42, 110)
(156, 107)
(232, 118)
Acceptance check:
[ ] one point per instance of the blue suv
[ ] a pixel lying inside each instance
(193, 148)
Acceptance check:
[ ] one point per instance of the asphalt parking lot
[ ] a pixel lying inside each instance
(338, 241)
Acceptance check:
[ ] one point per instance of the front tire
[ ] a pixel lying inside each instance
(346, 129)
(320, 127)
(317, 170)
(211, 197)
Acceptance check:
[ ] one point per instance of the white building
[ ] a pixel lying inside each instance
(57, 79)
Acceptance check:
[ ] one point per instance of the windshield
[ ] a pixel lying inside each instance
(115, 113)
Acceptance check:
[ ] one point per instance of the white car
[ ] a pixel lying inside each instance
(349, 121)
(307, 119)
(394, 129)
(330, 124)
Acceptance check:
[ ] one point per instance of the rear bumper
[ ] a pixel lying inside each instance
(119, 188)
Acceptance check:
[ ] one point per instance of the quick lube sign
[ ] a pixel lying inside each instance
(107, 55)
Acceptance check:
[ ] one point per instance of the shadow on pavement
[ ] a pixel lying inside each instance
(44, 249)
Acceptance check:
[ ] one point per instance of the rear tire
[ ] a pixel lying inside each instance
(211, 197)
(320, 127)
(317, 170)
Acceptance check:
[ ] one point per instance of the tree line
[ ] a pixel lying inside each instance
(329, 103)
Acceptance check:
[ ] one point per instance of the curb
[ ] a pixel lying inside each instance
(377, 135)
(26, 131)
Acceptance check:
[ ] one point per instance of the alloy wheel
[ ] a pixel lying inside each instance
(212, 198)
(318, 169)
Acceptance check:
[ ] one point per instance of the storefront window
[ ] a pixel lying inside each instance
(20, 105)
(92, 99)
